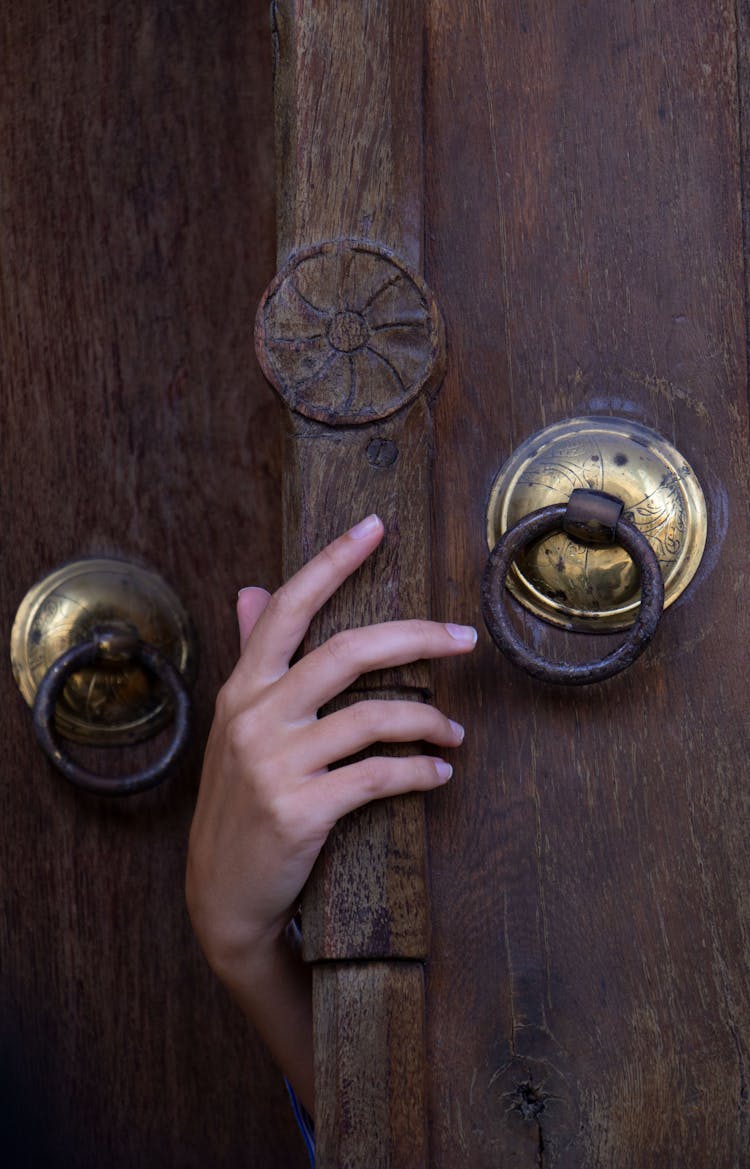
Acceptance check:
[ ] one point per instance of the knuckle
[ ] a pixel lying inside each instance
(329, 554)
(277, 813)
(373, 777)
(436, 722)
(426, 629)
(425, 770)
(341, 645)
(240, 733)
(365, 715)
(282, 602)
(225, 703)
(420, 714)
(235, 734)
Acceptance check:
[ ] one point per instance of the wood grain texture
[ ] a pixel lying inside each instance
(367, 896)
(348, 110)
(349, 334)
(367, 1120)
(589, 987)
(136, 236)
(348, 83)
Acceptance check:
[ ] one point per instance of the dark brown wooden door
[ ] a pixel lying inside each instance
(587, 987)
(136, 236)
(588, 979)
(589, 984)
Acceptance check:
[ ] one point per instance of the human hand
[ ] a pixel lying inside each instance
(267, 798)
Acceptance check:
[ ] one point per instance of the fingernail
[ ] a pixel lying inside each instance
(465, 633)
(444, 770)
(458, 730)
(364, 527)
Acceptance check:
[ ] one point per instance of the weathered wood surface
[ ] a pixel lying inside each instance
(589, 986)
(368, 896)
(348, 82)
(349, 126)
(377, 1007)
(350, 337)
(136, 236)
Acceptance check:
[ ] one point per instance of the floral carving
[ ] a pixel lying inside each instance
(348, 334)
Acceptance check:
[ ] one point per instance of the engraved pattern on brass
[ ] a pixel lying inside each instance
(114, 702)
(348, 333)
(572, 584)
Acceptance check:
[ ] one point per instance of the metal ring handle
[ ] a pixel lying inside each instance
(98, 648)
(533, 527)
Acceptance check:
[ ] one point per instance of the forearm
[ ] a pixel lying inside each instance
(273, 986)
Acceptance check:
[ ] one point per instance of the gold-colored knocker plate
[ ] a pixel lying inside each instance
(596, 588)
(111, 703)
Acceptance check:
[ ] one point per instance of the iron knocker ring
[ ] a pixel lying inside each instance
(591, 517)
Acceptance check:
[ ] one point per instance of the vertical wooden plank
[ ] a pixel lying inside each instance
(589, 865)
(348, 168)
(352, 339)
(348, 85)
(378, 1008)
(136, 236)
(348, 101)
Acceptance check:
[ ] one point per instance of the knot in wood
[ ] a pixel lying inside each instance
(382, 452)
(528, 1101)
(347, 333)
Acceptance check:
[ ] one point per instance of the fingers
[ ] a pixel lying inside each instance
(284, 622)
(358, 726)
(250, 604)
(338, 792)
(328, 670)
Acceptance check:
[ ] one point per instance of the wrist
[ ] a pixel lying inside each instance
(251, 957)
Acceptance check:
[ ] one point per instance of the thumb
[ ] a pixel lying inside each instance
(250, 604)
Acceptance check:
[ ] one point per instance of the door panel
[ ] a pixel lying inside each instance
(137, 234)
(587, 986)
(588, 990)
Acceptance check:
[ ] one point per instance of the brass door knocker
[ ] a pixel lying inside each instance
(595, 525)
(104, 653)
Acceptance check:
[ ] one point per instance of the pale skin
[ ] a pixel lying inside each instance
(268, 796)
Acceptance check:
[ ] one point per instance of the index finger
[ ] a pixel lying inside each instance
(285, 620)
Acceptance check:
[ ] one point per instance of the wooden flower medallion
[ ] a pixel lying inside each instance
(348, 333)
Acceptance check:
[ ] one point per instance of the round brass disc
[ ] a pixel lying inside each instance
(112, 703)
(595, 588)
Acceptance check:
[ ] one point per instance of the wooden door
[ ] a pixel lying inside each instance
(589, 985)
(583, 165)
(583, 184)
(136, 236)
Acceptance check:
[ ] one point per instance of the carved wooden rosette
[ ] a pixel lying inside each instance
(352, 339)
(348, 333)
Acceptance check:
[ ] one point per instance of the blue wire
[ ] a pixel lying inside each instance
(306, 1126)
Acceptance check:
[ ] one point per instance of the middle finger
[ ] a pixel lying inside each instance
(336, 664)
